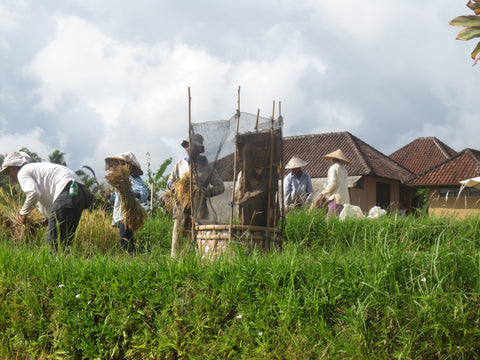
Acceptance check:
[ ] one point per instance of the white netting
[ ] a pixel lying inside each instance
(261, 140)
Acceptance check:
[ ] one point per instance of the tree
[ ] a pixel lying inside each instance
(472, 27)
(35, 157)
(57, 157)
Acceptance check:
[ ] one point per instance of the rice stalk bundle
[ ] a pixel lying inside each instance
(9, 209)
(133, 213)
(182, 191)
(167, 199)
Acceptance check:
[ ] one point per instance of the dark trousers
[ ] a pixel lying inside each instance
(127, 241)
(64, 218)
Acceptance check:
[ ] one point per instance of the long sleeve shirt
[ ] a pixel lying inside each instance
(297, 191)
(337, 185)
(42, 183)
(139, 187)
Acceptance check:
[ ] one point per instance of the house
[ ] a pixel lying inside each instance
(374, 178)
(443, 183)
(422, 154)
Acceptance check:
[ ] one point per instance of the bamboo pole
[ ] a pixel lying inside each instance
(282, 194)
(270, 177)
(232, 204)
(192, 200)
(152, 191)
(256, 120)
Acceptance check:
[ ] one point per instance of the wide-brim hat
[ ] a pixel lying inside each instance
(337, 154)
(17, 158)
(197, 141)
(295, 162)
(128, 158)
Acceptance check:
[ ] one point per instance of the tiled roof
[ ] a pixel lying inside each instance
(365, 160)
(465, 165)
(423, 154)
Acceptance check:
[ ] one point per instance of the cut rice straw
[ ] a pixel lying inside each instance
(133, 213)
(182, 191)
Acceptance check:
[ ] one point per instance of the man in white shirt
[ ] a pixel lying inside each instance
(336, 191)
(208, 183)
(47, 186)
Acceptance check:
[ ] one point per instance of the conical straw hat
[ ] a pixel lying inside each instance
(337, 154)
(295, 162)
(128, 158)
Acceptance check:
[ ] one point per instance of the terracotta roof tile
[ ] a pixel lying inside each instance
(423, 154)
(365, 160)
(465, 165)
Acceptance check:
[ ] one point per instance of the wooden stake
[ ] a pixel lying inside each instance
(237, 115)
(270, 177)
(256, 120)
(192, 200)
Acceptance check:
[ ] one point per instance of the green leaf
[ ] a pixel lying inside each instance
(476, 51)
(469, 33)
(470, 20)
(474, 6)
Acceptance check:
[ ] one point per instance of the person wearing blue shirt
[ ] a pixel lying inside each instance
(297, 185)
(138, 190)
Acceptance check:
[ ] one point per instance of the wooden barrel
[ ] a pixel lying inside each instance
(215, 239)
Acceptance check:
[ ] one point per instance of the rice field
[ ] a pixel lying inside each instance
(388, 288)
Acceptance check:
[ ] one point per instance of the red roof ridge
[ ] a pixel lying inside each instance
(441, 147)
(365, 162)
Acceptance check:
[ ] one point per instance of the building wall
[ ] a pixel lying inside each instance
(455, 207)
(366, 197)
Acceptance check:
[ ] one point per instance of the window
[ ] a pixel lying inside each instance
(452, 191)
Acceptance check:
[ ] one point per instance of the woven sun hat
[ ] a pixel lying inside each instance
(337, 154)
(295, 162)
(197, 141)
(128, 158)
(17, 158)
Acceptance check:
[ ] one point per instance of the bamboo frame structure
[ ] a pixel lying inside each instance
(282, 194)
(192, 199)
(232, 204)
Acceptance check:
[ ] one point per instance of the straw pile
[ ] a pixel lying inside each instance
(9, 209)
(182, 191)
(167, 201)
(134, 214)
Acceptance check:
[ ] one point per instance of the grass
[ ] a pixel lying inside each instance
(391, 288)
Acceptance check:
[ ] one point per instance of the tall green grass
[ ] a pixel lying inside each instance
(360, 289)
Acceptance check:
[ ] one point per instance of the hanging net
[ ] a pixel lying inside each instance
(241, 189)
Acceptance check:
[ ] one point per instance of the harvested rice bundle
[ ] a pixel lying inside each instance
(133, 213)
(9, 209)
(167, 200)
(182, 191)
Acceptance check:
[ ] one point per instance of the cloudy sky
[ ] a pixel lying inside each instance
(94, 78)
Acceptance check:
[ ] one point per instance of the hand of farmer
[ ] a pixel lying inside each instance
(321, 200)
(133, 194)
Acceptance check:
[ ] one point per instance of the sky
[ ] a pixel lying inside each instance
(95, 78)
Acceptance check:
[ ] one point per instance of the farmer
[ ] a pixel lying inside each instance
(336, 191)
(297, 185)
(138, 191)
(207, 181)
(57, 191)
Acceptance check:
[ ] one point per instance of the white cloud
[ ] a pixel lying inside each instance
(378, 69)
(32, 139)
